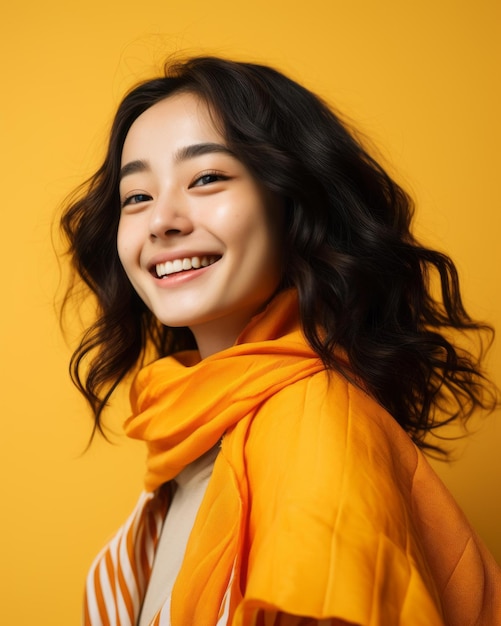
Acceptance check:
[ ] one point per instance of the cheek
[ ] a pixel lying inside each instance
(259, 216)
(261, 241)
(121, 245)
(125, 243)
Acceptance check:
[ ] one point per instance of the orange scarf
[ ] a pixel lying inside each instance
(319, 504)
(182, 406)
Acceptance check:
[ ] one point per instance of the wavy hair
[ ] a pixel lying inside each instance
(364, 282)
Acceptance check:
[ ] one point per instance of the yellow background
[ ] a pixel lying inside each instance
(422, 79)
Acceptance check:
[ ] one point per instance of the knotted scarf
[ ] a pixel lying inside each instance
(318, 505)
(182, 406)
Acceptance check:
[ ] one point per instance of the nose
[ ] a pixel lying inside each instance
(169, 216)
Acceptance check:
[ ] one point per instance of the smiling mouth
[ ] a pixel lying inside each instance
(161, 270)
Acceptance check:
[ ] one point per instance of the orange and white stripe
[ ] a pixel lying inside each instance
(118, 578)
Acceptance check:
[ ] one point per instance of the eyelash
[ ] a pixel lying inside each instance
(209, 174)
(129, 199)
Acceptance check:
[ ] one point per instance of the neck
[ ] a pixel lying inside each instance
(209, 344)
(218, 335)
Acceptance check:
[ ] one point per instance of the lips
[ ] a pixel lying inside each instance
(183, 265)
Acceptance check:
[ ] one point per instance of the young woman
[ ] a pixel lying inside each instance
(258, 266)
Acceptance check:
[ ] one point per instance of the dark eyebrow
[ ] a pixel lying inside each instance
(199, 149)
(133, 168)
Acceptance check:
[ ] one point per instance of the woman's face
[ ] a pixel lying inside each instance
(199, 238)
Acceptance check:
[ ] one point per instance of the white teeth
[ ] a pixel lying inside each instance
(180, 265)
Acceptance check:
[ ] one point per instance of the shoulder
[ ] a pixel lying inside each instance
(329, 494)
(327, 430)
(345, 507)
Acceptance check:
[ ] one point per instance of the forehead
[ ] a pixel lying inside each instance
(170, 124)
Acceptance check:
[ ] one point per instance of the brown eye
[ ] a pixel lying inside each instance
(207, 178)
(136, 198)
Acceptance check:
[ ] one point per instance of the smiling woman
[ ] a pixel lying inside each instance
(241, 237)
(187, 200)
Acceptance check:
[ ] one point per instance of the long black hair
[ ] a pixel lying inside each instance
(364, 282)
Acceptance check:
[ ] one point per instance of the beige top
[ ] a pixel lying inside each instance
(188, 488)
